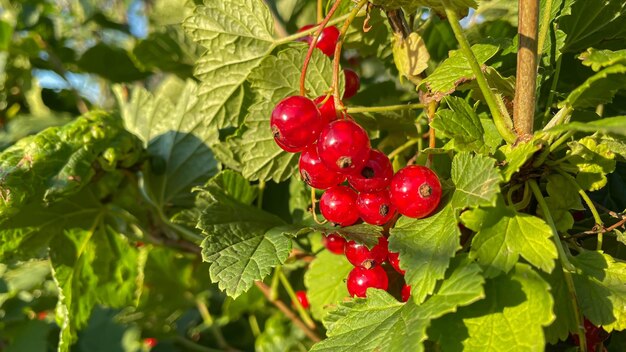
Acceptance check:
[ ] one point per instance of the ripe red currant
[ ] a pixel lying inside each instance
(375, 175)
(150, 342)
(375, 208)
(344, 146)
(353, 83)
(327, 110)
(327, 40)
(304, 301)
(415, 191)
(296, 123)
(360, 279)
(308, 38)
(334, 243)
(315, 173)
(359, 255)
(394, 260)
(338, 205)
(406, 292)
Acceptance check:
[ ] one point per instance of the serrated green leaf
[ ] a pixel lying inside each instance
(234, 186)
(460, 123)
(176, 139)
(60, 161)
(593, 160)
(361, 233)
(592, 23)
(515, 157)
(275, 79)
(240, 242)
(381, 323)
(456, 70)
(600, 289)
(563, 197)
(510, 318)
(410, 56)
(610, 126)
(503, 235)
(425, 248)
(476, 179)
(325, 282)
(598, 89)
(238, 35)
(598, 59)
(565, 321)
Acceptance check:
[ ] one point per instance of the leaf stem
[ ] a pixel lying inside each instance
(313, 44)
(304, 315)
(365, 109)
(553, 147)
(503, 122)
(288, 313)
(342, 37)
(320, 10)
(259, 200)
(526, 81)
(275, 281)
(568, 268)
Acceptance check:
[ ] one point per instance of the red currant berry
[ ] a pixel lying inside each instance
(344, 146)
(327, 40)
(359, 255)
(375, 208)
(394, 260)
(338, 205)
(315, 173)
(415, 191)
(360, 279)
(308, 38)
(334, 243)
(296, 123)
(353, 83)
(304, 301)
(150, 342)
(42, 315)
(406, 292)
(375, 175)
(327, 110)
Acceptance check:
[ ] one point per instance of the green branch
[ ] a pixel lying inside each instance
(364, 109)
(503, 122)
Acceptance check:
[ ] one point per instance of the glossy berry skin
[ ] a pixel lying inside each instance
(304, 301)
(359, 255)
(405, 293)
(150, 342)
(327, 40)
(360, 279)
(338, 205)
(415, 191)
(308, 38)
(327, 110)
(353, 83)
(394, 260)
(344, 146)
(334, 243)
(296, 123)
(315, 173)
(375, 208)
(375, 175)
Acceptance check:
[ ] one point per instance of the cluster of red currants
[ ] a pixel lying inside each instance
(368, 271)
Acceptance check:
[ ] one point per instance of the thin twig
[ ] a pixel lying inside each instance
(288, 313)
(432, 108)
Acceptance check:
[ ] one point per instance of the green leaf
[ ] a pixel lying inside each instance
(381, 323)
(361, 233)
(609, 126)
(325, 282)
(275, 79)
(60, 161)
(598, 59)
(425, 248)
(459, 6)
(460, 123)
(112, 63)
(456, 70)
(591, 24)
(503, 235)
(476, 179)
(565, 321)
(176, 139)
(563, 197)
(600, 289)
(598, 89)
(410, 56)
(104, 334)
(510, 318)
(90, 267)
(240, 242)
(32, 335)
(593, 160)
(514, 158)
(238, 35)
